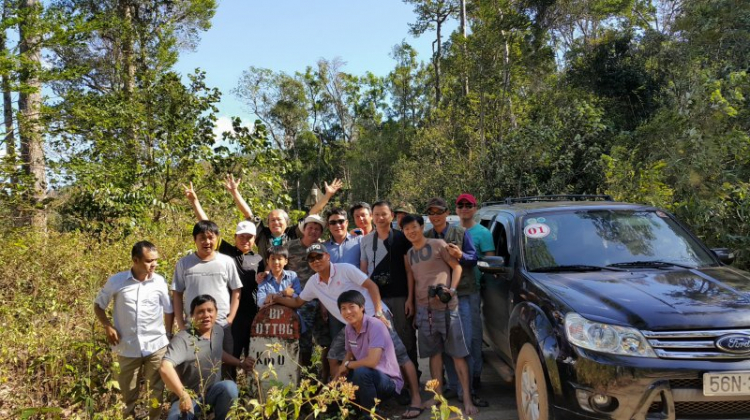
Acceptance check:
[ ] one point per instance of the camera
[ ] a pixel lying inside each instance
(441, 291)
(382, 279)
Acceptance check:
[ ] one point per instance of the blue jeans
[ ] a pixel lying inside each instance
(465, 312)
(372, 384)
(220, 396)
(476, 335)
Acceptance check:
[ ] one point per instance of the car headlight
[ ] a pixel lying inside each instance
(606, 338)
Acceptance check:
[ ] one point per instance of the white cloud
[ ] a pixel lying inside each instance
(224, 124)
(221, 125)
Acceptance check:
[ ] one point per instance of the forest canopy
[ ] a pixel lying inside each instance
(644, 100)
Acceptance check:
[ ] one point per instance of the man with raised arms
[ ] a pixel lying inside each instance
(277, 229)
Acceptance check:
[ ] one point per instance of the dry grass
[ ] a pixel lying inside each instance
(54, 361)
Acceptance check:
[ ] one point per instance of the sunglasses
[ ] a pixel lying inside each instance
(464, 206)
(314, 257)
(336, 222)
(436, 212)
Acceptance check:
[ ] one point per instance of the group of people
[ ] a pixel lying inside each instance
(375, 298)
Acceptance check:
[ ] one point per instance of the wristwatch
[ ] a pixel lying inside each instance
(453, 291)
(346, 364)
(378, 314)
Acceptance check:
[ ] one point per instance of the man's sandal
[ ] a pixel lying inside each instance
(411, 410)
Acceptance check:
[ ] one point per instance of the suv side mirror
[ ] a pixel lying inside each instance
(725, 255)
(492, 265)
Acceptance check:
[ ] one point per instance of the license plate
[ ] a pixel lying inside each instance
(726, 383)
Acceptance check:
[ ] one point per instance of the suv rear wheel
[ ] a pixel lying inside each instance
(532, 398)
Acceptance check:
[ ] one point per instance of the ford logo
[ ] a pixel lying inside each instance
(734, 343)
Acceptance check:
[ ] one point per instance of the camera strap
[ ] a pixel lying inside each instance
(388, 245)
(447, 308)
(447, 319)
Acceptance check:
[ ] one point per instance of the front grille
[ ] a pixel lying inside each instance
(686, 383)
(692, 344)
(707, 408)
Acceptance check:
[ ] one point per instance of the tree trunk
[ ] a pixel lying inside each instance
(128, 58)
(436, 56)
(128, 66)
(10, 138)
(463, 47)
(29, 107)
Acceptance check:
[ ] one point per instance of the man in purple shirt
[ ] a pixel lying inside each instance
(370, 361)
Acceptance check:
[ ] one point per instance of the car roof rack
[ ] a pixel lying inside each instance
(557, 197)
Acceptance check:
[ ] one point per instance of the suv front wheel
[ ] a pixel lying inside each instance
(532, 398)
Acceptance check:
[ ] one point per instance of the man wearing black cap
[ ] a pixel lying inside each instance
(329, 281)
(461, 247)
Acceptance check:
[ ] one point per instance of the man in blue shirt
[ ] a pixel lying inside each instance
(343, 246)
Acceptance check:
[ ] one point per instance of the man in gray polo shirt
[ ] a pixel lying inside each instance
(192, 363)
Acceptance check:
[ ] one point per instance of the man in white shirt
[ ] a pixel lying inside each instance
(326, 285)
(138, 336)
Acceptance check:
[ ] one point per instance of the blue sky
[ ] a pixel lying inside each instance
(289, 35)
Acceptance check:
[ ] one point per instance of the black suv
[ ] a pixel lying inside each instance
(610, 310)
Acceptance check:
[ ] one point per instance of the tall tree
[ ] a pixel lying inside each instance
(113, 110)
(9, 138)
(432, 15)
(30, 107)
(408, 86)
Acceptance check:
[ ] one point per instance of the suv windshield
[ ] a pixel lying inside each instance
(606, 239)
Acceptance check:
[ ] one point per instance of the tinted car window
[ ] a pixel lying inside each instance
(602, 238)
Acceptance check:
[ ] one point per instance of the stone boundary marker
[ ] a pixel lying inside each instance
(274, 325)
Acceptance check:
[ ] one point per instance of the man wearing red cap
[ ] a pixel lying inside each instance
(466, 208)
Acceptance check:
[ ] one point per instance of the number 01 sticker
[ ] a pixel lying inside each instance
(536, 230)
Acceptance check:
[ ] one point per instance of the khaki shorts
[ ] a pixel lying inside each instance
(437, 333)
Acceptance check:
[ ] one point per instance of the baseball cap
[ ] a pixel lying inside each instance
(437, 202)
(245, 226)
(403, 207)
(316, 249)
(315, 219)
(466, 197)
